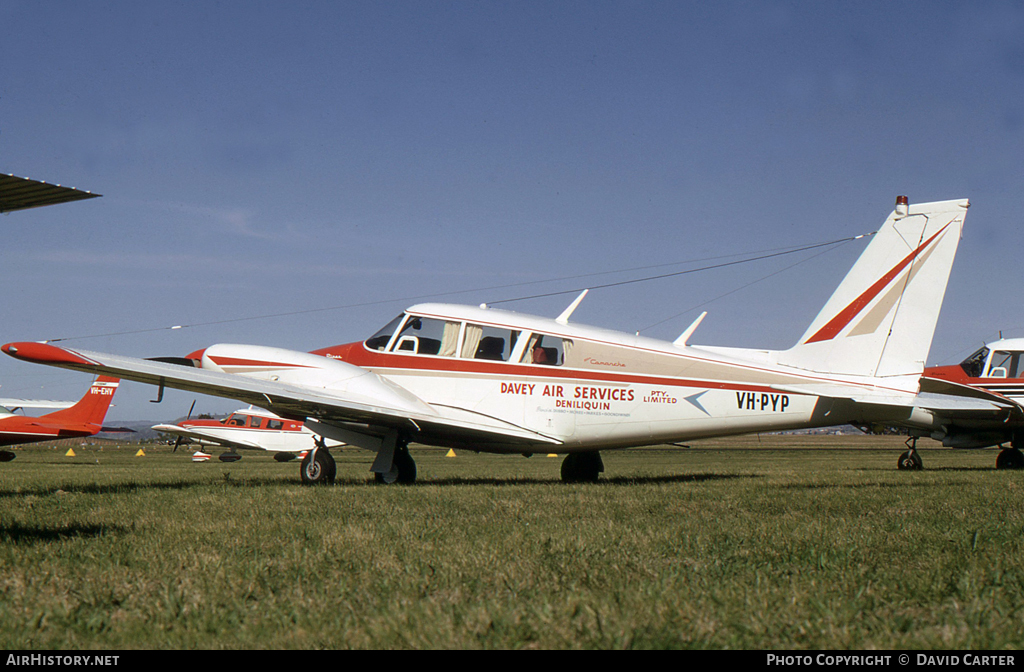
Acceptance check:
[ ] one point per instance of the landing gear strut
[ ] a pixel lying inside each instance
(403, 467)
(318, 466)
(910, 459)
(582, 467)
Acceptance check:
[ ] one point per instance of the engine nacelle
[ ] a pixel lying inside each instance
(971, 439)
(319, 374)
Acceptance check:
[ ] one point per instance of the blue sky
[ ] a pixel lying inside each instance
(259, 158)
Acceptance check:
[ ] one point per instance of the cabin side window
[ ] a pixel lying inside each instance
(546, 350)
(275, 424)
(236, 421)
(255, 422)
(491, 343)
(428, 336)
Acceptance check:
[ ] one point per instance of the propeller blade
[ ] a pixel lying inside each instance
(177, 442)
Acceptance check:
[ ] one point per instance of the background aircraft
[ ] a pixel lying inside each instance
(247, 429)
(993, 377)
(497, 381)
(83, 419)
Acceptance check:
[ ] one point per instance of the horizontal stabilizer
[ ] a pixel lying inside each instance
(13, 404)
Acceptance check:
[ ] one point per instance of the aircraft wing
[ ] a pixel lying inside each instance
(20, 193)
(196, 434)
(381, 404)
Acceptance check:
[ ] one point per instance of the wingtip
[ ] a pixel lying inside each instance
(42, 353)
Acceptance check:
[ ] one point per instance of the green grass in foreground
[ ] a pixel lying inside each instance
(729, 544)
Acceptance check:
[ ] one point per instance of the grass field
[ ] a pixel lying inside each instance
(739, 543)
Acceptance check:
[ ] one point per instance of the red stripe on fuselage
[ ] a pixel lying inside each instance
(385, 363)
(839, 322)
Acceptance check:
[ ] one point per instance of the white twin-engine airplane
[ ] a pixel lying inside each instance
(497, 381)
(248, 429)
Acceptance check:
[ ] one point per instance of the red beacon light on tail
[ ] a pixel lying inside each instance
(902, 206)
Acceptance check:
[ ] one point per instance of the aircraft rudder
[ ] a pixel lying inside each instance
(881, 319)
(93, 406)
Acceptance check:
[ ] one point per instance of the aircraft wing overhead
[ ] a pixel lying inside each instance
(21, 193)
(400, 410)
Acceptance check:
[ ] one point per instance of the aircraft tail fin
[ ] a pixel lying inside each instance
(881, 319)
(91, 408)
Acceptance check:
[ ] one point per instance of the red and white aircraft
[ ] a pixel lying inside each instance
(497, 381)
(248, 429)
(83, 419)
(993, 377)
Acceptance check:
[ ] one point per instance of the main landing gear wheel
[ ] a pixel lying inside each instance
(1010, 458)
(910, 460)
(318, 467)
(403, 468)
(582, 467)
(6, 456)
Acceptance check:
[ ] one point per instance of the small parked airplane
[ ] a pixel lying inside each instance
(492, 380)
(994, 377)
(248, 429)
(83, 419)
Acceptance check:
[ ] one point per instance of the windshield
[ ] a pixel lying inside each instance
(975, 364)
(379, 341)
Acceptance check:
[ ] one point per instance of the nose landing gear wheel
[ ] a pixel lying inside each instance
(318, 467)
(1010, 458)
(910, 460)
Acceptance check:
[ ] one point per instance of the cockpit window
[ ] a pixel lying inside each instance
(428, 336)
(236, 421)
(379, 341)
